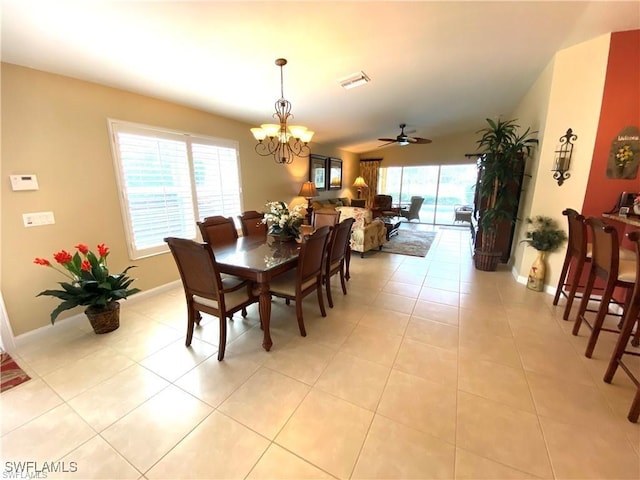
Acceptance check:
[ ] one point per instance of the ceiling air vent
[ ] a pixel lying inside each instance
(354, 80)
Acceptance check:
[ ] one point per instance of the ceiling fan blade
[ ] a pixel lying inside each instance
(418, 140)
(385, 144)
(390, 140)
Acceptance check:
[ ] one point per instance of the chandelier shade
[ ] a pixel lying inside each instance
(283, 142)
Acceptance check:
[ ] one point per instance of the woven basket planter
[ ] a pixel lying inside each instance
(487, 261)
(104, 319)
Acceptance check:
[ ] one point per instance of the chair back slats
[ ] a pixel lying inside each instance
(605, 256)
(577, 238)
(382, 202)
(252, 225)
(196, 264)
(339, 241)
(312, 250)
(218, 230)
(329, 217)
(414, 207)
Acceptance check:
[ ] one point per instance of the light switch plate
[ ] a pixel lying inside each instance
(37, 219)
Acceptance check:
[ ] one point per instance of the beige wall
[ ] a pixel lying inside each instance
(567, 95)
(56, 127)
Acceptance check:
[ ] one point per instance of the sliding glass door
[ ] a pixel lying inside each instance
(443, 187)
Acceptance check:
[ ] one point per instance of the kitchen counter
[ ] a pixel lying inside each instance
(629, 220)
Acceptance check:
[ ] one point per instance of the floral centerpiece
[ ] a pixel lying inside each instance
(544, 234)
(90, 283)
(282, 222)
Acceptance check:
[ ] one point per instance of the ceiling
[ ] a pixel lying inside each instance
(441, 67)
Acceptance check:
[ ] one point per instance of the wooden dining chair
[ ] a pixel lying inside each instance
(615, 273)
(629, 320)
(325, 217)
(205, 290)
(252, 225)
(218, 230)
(337, 249)
(307, 276)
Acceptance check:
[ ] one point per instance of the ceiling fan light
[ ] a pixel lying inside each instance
(259, 134)
(307, 135)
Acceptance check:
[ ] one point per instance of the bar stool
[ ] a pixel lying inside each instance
(579, 252)
(577, 249)
(630, 319)
(616, 273)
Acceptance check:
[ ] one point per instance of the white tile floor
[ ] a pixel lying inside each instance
(426, 369)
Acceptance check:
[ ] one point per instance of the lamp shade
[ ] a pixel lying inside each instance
(308, 190)
(360, 183)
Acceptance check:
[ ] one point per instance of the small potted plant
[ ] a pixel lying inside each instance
(545, 236)
(90, 284)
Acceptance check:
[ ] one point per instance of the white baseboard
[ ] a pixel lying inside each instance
(523, 280)
(74, 320)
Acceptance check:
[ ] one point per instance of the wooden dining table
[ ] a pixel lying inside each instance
(258, 259)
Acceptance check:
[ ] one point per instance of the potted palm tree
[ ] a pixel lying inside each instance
(502, 152)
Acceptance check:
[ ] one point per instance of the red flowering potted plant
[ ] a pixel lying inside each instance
(90, 284)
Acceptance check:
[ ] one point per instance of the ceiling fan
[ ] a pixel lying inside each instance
(403, 138)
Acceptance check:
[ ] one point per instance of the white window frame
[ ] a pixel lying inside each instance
(119, 126)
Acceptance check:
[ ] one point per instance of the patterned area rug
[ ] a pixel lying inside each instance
(11, 374)
(410, 242)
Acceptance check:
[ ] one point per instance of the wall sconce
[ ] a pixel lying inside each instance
(563, 157)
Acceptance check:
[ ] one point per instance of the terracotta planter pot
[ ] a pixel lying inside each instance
(104, 319)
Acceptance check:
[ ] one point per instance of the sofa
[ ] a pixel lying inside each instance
(367, 233)
(330, 203)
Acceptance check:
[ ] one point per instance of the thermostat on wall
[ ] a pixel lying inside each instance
(23, 182)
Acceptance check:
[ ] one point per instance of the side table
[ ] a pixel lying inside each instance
(393, 225)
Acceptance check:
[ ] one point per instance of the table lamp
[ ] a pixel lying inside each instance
(308, 191)
(360, 184)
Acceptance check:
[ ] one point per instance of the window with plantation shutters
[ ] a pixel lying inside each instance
(168, 180)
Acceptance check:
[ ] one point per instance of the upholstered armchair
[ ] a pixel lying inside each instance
(382, 206)
(367, 233)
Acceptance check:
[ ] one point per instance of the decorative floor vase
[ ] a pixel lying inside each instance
(104, 319)
(536, 273)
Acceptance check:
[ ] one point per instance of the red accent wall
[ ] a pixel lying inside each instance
(620, 107)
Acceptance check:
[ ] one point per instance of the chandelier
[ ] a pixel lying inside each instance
(284, 142)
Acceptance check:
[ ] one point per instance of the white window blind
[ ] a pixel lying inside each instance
(167, 180)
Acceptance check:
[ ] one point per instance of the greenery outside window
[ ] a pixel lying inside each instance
(168, 180)
(443, 187)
